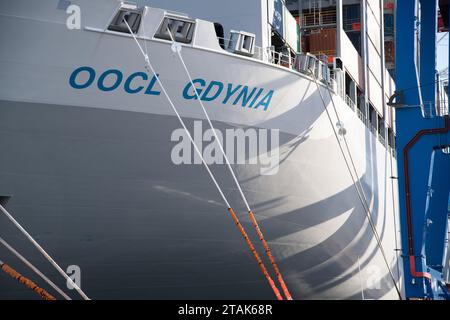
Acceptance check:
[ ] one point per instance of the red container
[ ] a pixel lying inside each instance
(389, 6)
(323, 41)
(389, 50)
(305, 43)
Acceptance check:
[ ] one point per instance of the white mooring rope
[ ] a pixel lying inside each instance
(355, 181)
(32, 267)
(147, 61)
(43, 252)
(177, 49)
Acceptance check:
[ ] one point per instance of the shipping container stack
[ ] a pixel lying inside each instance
(317, 25)
(389, 35)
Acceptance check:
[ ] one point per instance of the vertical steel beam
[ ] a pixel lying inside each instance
(405, 42)
(436, 209)
(428, 29)
(339, 27)
(365, 53)
(383, 70)
(423, 212)
(408, 122)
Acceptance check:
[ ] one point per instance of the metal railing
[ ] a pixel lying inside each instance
(267, 54)
(324, 19)
(350, 102)
(324, 55)
(333, 85)
(427, 109)
(304, 63)
(316, 19)
(394, 153)
(350, 24)
(442, 108)
(382, 139)
(274, 57)
(361, 116)
(431, 110)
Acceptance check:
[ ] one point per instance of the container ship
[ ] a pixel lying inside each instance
(91, 164)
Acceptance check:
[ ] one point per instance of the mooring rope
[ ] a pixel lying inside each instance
(358, 181)
(362, 197)
(394, 212)
(25, 281)
(227, 161)
(229, 208)
(32, 267)
(43, 252)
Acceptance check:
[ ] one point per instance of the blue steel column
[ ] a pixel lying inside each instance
(422, 217)
(428, 29)
(436, 209)
(406, 122)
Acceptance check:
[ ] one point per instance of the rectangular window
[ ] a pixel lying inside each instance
(391, 138)
(381, 125)
(389, 25)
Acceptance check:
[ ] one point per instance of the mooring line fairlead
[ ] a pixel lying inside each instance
(229, 208)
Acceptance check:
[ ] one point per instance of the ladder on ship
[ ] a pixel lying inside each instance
(317, 9)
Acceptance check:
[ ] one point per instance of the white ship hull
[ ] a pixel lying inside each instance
(91, 176)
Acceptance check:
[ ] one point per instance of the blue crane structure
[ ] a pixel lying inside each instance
(422, 147)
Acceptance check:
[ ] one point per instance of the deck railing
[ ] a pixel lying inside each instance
(305, 63)
(267, 54)
(361, 116)
(350, 102)
(316, 19)
(382, 139)
(442, 108)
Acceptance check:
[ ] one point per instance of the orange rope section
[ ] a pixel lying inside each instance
(27, 282)
(258, 259)
(270, 256)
